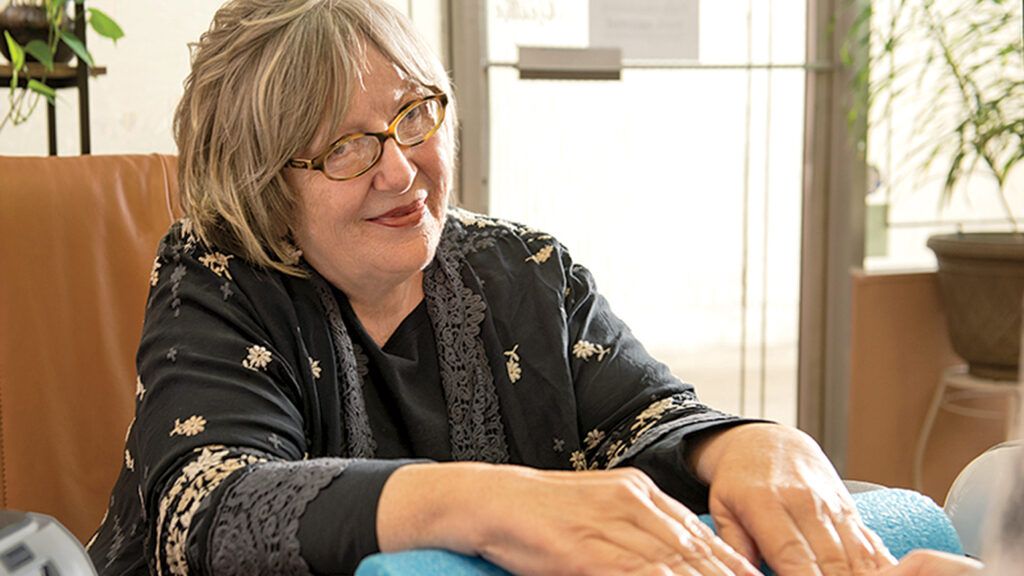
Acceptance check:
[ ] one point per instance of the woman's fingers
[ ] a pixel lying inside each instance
(779, 538)
(615, 522)
(735, 535)
(813, 518)
(670, 534)
(932, 563)
(799, 532)
(785, 547)
(864, 548)
(882, 553)
(774, 485)
(838, 538)
(658, 553)
(718, 548)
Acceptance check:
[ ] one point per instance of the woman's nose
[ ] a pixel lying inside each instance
(394, 172)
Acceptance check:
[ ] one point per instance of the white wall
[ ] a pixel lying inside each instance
(132, 106)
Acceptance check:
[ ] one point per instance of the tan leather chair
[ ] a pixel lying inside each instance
(78, 236)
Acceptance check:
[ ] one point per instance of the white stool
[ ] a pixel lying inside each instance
(958, 385)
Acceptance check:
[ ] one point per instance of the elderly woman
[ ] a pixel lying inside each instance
(334, 362)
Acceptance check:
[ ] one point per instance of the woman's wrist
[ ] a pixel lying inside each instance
(437, 505)
(704, 456)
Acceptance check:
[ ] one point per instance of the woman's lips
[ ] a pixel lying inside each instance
(408, 215)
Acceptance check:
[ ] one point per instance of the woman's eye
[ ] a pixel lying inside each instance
(342, 150)
(415, 113)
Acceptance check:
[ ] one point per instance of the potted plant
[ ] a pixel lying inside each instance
(41, 31)
(967, 55)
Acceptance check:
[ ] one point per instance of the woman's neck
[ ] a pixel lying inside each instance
(382, 309)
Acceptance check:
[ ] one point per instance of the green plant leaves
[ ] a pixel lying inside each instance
(41, 52)
(40, 88)
(77, 47)
(963, 56)
(104, 25)
(17, 53)
(56, 14)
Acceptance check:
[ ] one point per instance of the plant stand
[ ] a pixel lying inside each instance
(64, 76)
(958, 385)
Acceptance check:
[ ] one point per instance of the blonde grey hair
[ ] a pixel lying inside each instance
(266, 78)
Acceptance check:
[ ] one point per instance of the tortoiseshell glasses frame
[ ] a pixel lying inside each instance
(355, 154)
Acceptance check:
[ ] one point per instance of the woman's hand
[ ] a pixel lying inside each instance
(538, 522)
(775, 494)
(932, 563)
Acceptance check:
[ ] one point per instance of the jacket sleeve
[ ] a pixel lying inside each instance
(221, 437)
(632, 410)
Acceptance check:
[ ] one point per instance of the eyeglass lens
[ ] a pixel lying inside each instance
(351, 157)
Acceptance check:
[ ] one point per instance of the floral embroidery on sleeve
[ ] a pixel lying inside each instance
(190, 427)
(650, 416)
(593, 439)
(275, 441)
(140, 390)
(217, 263)
(129, 462)
(154, 274)
(226, 290)
(258, 358)
(314, 367)
(605, 449)
(660, 415)
(586, 350)
(579, 461)
(578, 458)
(542, 255)
(515, 371)
(197, 480)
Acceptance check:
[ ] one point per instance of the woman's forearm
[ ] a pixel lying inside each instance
(434, 506)
(532, 521)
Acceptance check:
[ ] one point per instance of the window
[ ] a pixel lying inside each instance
(679, 186)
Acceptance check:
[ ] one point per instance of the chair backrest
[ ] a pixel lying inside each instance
(78, 236)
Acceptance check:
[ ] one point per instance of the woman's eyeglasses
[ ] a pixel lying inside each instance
(353, 155)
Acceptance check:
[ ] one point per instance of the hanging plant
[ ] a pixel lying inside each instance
(41, 31)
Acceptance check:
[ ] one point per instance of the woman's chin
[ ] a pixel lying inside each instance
(407, 258)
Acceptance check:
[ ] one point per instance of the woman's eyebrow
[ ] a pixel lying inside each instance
(410, 91)
(401, 97)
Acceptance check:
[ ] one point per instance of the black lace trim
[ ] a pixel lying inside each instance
(257, 523)
(457, 313)
(476, 232)
(359, 437)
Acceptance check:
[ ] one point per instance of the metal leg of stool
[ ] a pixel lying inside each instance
(926, 430)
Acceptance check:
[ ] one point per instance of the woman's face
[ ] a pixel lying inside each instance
(381, 228)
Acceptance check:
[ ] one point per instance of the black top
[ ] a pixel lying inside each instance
(407, 407)
(257, 389)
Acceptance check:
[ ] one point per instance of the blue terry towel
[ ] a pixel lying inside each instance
(905, 520)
